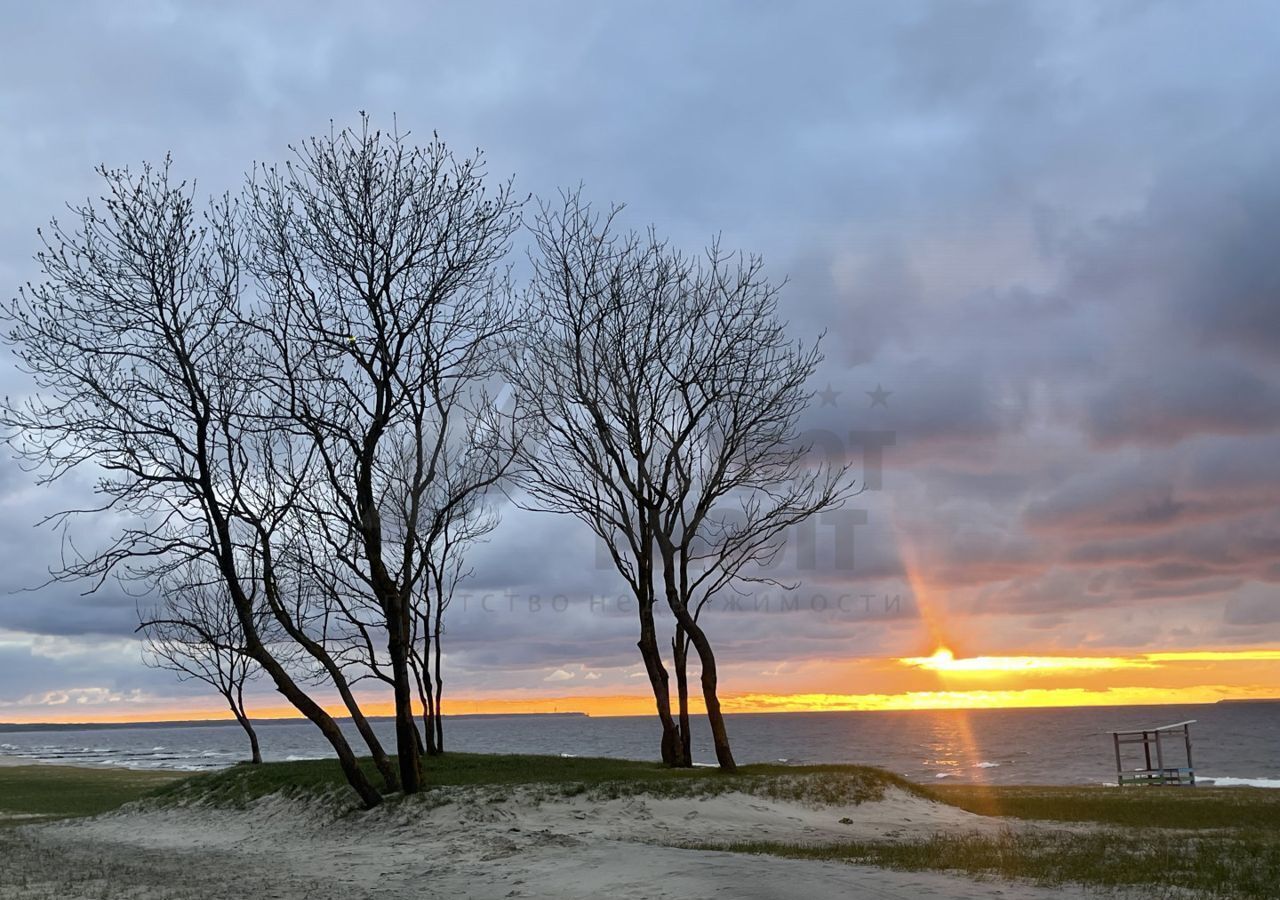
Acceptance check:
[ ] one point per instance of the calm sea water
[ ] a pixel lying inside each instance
(1233, 743)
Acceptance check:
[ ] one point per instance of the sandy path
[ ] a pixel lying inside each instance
(481, 846)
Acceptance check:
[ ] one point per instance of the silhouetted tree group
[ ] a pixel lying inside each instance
(287, 399)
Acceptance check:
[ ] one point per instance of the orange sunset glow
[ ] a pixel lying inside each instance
(939, 681)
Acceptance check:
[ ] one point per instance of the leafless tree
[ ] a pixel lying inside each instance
(450, 536)
(196, 634)
(666, 393)
(384, 309)
(146, 376)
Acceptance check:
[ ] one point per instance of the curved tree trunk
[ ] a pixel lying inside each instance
(706, 656)
(707, 660)
(328, 727)
(255, 751)
(317, 652)
(236, 703)
(659, 680)
(381, 761)
(258, 652)
(254, 748)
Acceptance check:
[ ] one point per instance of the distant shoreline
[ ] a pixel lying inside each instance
(18, 727)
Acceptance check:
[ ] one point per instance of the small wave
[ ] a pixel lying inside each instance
(1241, 782)
(299, 758)
(943, 775)
(986, 765)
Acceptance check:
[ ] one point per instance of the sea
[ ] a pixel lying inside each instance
(1233, 743)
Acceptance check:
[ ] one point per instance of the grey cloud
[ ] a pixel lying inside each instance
(1045, 227)
(1181, 400)
(1254, 605)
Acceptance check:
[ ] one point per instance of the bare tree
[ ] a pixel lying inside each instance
(667, 395)
(450, 536)
(146, 376)
(385, 308)
(196, 634)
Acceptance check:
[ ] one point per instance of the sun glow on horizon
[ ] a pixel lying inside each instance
(944, 661)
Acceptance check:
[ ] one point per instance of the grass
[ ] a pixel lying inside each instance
(1164, 842)
(1157, 863)
(65, 791)
(1136, 806)
(1172, 842)
(598, 777)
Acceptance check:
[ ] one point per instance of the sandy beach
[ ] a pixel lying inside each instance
(485, 843)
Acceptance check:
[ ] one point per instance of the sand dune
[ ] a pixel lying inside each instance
(483, 843)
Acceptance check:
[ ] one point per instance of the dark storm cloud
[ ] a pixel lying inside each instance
(1047, 229)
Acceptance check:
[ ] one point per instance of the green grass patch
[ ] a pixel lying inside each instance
(64, 791)
(1155, 862)
(1144, 807)
(1163, 842)
(555, 775)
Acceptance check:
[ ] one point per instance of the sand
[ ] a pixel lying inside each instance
(483, 843)
(12, 761)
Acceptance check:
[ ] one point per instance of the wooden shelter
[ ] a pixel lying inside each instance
(1159, 748)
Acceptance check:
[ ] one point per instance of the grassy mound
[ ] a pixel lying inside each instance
(600, 777)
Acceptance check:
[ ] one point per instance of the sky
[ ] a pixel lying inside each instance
(1040, 239)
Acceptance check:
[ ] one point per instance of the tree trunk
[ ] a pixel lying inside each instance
(317, 652)
(707, 660)
(237, 709)
(380, 759)
(680, 650)
(706, 657)
(255, 751)
(429, 728)
(407, 737)
(328, 727)
(258, 652)
(438, 686)
(391, 781)
(422, 679)
(659, 680)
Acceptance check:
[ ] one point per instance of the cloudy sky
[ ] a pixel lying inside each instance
(1044, 236)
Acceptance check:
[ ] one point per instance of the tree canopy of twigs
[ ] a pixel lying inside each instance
(283, 391)
(285, 398)
(196, 634)
(665, 395)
